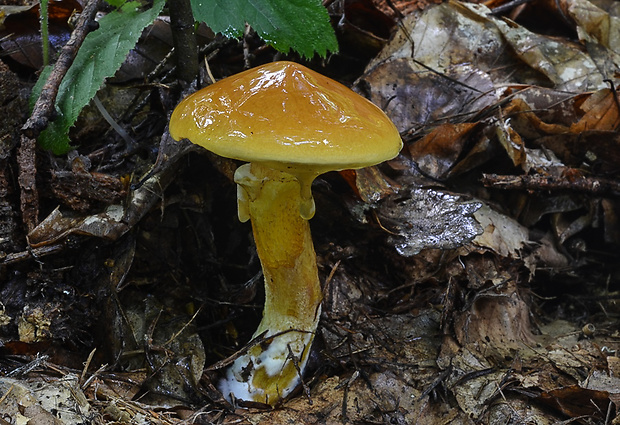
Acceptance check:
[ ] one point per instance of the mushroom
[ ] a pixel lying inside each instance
(291, 124)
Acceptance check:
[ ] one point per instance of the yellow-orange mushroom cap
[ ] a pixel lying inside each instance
(287, 116)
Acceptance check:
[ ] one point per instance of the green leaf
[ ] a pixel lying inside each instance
(38, 87)
(301, 25)
(100, 56)
(116, 3)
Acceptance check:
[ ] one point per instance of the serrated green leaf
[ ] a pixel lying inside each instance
(301, 25)
(100, 56)
(38, 87)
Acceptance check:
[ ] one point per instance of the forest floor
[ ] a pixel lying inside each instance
(473, 279)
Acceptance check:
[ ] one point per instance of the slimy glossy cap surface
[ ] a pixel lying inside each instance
(285, 113)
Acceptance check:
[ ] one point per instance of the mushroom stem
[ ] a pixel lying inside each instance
(271, 368)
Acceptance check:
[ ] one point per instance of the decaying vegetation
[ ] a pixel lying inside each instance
(473, 279)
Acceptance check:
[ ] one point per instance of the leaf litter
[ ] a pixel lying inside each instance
(471, 280)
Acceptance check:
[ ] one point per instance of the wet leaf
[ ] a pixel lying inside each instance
(428, 218)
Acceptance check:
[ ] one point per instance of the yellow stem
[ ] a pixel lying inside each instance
(272, 199)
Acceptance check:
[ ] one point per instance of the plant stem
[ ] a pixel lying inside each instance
(184, 39)
(45, 32)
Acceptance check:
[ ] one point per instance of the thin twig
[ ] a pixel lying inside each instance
(87, 364)
(41, 114)
(508, 6)
(184, 39)
(295, 361)
(17, 257)
(44, 106)
(30, 366)
(29, 197)
(583, 184)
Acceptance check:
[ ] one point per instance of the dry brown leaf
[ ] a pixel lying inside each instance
(372, 185)
(446, 35)
(36, 401)
(613, 365)
(363, 28)
(498, 320)
(595, 25)
(116, 386)
(414, 97)
(502, 234)
(611, 221)
(601, 112)
(562, 63)
(574, 401)
(58, 225)
(397, 8)
(512, 143)
(598, 149)
(454, 34)
(439, 150)
(528, 123)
